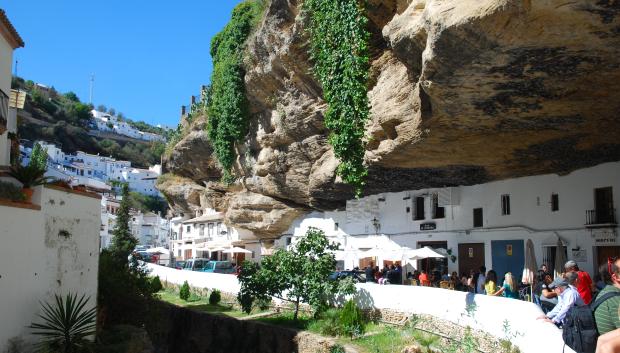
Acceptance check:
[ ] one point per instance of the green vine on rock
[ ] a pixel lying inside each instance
(339, 47)
(227, 103)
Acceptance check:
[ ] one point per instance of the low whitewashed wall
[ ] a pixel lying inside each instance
(486, 313)
(54, 250)
(221, 282)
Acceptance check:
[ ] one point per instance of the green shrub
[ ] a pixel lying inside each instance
(156, 284)
(215, 297)
(184, 292)
(329, 323)
(10, 191)
(352, 321)
(337, 349)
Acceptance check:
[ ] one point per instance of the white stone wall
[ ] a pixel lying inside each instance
(485, 313)
(50, 251)
(531, 216)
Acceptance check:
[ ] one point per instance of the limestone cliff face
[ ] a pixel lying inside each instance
(461, 92)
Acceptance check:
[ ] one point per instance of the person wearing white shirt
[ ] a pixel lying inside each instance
(567, 298)
(480, 281)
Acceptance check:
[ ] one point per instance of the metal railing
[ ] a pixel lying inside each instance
(601, 216)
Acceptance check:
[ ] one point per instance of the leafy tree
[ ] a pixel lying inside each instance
(72, 97)
(120, 116)
(38, 157)
(123, 242)
(297, 275)
(125, 289)
(101, 108)
(112, 111)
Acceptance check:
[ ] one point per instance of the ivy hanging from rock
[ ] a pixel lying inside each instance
(227, 103)
(339, 47)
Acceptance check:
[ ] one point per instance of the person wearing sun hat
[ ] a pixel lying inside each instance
(567, 298)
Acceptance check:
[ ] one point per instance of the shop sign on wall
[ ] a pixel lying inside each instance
(509, 249)
(605, 236)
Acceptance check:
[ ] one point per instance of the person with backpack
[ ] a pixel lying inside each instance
(606, 303)
(568, 297)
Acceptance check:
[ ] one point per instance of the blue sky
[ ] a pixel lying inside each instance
(148, 57)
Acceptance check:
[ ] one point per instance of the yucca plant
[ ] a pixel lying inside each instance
(66, 325)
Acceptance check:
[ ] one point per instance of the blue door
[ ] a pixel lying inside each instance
(508, 256)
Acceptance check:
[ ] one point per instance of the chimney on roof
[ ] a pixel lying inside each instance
(193, 100)
(182, 110)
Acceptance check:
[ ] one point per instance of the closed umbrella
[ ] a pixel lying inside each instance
(529, 271)
(560, 259)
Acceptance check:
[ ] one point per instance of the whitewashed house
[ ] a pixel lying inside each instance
(110, 123)
(50, 246)
(150, 229)
(207, 236)
(486, 224)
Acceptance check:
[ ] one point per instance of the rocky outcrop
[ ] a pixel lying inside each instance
(461, 92)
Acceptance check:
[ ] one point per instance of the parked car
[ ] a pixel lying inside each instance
(144, 256)
(195, 264)
(356, 276)
(219, 267)
(179, 265)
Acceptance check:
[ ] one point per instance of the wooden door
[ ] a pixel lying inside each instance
(603, 252)
(367, 261)
(470, 257)
(188, 254)
(604, 203)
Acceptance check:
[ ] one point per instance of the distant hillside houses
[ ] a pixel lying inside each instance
(96, 171)
(111, 123)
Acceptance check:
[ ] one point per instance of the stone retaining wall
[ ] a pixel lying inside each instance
(181, 330)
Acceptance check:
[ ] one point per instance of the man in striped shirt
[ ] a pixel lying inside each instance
(606, 314)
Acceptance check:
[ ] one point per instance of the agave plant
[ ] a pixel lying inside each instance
(66, 324)
(29, 175)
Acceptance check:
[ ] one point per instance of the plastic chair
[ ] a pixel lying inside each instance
(444, 284)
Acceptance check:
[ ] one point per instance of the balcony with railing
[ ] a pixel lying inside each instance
(601, 218)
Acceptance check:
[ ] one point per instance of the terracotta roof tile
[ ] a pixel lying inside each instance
(9, 31)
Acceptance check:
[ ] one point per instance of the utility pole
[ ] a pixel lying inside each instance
(92, 82)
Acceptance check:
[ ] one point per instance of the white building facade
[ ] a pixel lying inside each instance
(486, 224)
(110, 123)
(207, 236)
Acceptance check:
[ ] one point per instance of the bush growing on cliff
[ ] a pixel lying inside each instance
(227, 102)
(215, 297)
(339, 48)
(298, 275)
(184, 292)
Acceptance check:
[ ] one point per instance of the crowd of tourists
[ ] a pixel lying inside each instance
(569, 301)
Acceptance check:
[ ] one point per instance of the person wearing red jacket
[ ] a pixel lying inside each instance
(584, 283)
